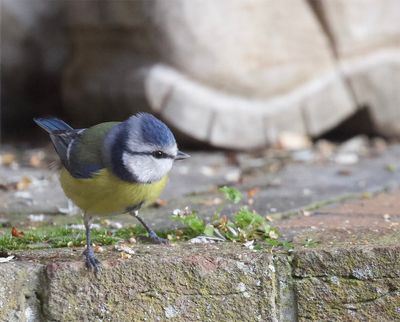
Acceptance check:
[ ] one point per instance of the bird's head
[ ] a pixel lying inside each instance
(141, 149)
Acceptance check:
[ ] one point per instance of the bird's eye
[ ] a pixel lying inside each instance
(158, 154)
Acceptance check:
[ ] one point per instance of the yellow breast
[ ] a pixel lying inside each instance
(105, 194)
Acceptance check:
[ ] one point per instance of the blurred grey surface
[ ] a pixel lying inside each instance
(232, 73)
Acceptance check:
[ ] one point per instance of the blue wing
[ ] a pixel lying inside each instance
(64, 137)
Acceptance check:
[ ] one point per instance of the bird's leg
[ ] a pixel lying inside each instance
(91, 261)
(152, 235)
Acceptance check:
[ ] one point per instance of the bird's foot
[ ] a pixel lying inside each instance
(91, 261)
(157, 240)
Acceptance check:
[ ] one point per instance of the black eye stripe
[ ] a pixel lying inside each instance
(163, 155)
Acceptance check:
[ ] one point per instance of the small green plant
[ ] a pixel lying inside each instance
(391, 168)
(309, 243)
(231, 194)
(245, 225)
(192, 222)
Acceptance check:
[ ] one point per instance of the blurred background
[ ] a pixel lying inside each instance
(232, 74)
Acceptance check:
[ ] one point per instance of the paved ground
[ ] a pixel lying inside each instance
(342, 212)
(278, 183)
(284, 181)
(371, 220)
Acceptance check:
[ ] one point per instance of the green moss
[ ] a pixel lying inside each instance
(55, 237)
(200, 283)
(246, 225)
(323, 299)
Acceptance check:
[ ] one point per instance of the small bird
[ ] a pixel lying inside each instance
(113, 167)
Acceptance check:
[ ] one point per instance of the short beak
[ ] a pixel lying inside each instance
(181, 156)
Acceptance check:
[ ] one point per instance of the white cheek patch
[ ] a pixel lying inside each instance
(145, 168)
(164, 166)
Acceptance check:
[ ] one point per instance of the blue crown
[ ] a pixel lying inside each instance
(154, 131)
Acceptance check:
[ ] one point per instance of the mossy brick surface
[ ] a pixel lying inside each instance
(213, 282)
(359, 283)
(19, 300)
(179, 283)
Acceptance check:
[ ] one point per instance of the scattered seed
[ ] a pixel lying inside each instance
(207, 171)
(6, 259)
(205, 240)
(346, 158)
(36, 218)
(273, 235)
(36, 160)
(252, 192)
(23, 195)
(249, 244)
(7, 159)
(125, 255)
(98, 249)
(124, 249)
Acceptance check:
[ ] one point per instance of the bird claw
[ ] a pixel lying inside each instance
(91, 261)
(158, 240)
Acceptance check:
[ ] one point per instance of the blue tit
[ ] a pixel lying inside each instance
(113, 167)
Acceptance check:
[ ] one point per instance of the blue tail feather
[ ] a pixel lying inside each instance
(52, 124)
(61, 134)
